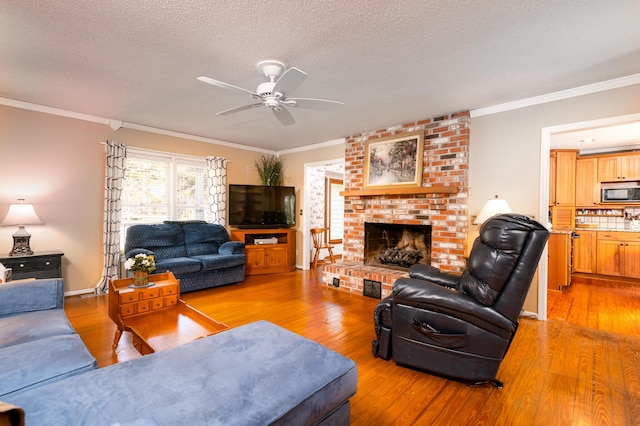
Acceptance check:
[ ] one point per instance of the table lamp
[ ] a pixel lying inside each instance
(492, 207)
(21, 214)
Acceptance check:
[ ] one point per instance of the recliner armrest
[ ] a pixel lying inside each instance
(231, 247)
(131, 253)
(430, 296)
(430, 273)
(34, 295)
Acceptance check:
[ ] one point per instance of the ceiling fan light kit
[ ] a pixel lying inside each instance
(272, 93)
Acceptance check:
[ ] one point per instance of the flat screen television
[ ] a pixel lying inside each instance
(259, 207)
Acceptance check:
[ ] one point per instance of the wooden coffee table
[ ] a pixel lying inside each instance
(155, 316)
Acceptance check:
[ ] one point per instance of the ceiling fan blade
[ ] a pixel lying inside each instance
(290, 80)
(322, 104)
(238, 109)
(225, 85)
(284, 116)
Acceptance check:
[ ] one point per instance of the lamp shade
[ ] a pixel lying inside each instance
(492, 207)
(21, 214)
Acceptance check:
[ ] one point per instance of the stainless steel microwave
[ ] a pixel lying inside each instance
(620, 194)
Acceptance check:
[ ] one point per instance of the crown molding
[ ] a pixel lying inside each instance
(332, 142)
(557, 96)
(117, 124)
(53, 111)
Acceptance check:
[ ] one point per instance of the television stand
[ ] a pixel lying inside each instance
(272, 258)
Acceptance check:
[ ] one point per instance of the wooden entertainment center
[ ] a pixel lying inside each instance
(269, 251)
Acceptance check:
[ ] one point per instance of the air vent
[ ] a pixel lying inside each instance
(372, 289)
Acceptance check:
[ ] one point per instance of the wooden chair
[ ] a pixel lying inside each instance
(317, 234)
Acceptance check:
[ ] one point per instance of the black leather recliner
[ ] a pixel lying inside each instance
(460, 327)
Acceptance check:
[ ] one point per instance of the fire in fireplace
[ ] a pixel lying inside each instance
(396, 246)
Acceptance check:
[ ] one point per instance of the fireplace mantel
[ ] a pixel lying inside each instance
(441, 189)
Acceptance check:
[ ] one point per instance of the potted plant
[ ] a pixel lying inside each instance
(269, 169)
(141, 265)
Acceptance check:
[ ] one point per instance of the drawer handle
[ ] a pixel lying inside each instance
(22, 265)
(48, 263)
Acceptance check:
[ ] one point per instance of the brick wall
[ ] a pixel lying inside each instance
(446, 162)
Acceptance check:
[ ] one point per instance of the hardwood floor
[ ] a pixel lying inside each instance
(579, 367)
(601, 304)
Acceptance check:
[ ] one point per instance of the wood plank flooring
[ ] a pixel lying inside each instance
(578, 368)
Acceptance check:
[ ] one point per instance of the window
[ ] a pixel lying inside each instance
(334, 214)
(161, 187)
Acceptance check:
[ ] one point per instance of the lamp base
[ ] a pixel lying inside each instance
(21, 246)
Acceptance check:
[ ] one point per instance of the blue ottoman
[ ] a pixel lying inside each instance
(257, 374)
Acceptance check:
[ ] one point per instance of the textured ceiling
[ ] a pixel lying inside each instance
(388, 61)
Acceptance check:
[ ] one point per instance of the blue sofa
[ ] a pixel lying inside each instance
(199, 254)
(256, 374)
(38, 345)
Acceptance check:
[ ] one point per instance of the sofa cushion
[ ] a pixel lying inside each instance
(255, 374)
(30, 295)
(204, 238)
(34, 363)
(178, 265)
(219, 261)
(165, 240)
(31, 326)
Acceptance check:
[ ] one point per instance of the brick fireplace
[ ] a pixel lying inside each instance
(445, 164)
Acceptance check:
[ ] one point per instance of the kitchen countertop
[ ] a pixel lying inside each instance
(569, 231)
(605, 230)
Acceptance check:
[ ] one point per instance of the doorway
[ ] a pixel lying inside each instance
(316, 176)
(569, 136)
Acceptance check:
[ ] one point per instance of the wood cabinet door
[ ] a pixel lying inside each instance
(587, 188)
(558, 260)
(278, 256)
(552, 179)
(566, 178)
(563, 218)
(631, 260)
(609, 257)
(630, 165)
(256, 257)
(608, 169)
(584, 252)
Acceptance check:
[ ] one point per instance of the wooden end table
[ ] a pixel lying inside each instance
(156, 316)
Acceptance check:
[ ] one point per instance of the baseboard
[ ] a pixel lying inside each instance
(90, 291)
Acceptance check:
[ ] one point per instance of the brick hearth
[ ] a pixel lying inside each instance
(446, 162)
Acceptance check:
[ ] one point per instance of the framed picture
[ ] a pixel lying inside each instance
(394, 162)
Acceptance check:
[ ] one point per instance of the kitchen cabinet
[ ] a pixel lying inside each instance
(563, 218)
(563, 175)
(621, 167)
(552, 179)
(618, 253)
(587, 185)
(559, 248)
(584, 251)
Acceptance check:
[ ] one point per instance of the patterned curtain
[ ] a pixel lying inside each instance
(116, 159)
(217, 183)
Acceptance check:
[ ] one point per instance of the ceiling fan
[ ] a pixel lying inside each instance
(272, 93)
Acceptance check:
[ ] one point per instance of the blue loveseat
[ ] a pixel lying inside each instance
(199, 254)
(256, 374)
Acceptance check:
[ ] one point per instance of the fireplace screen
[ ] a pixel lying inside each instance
(396, 246)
